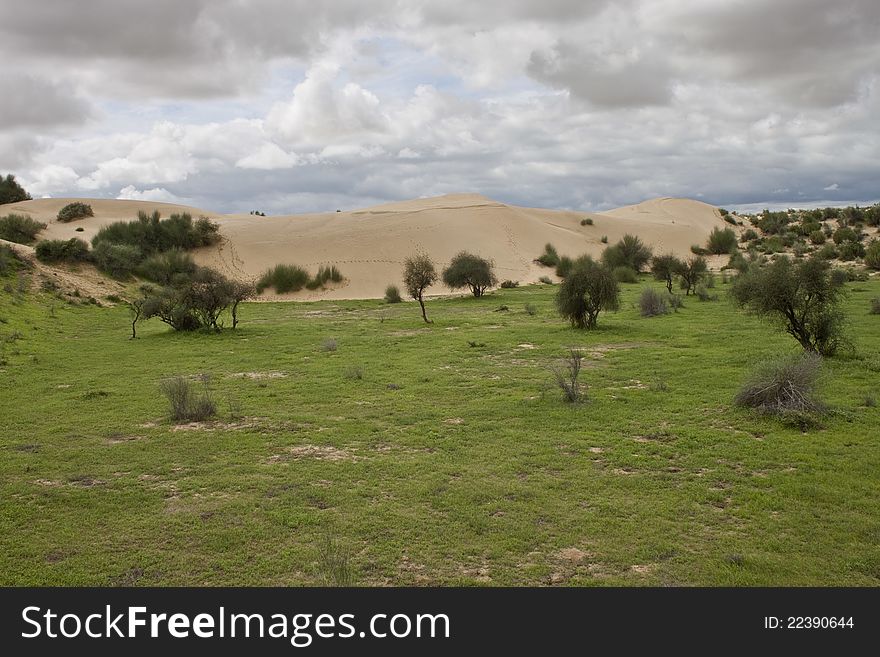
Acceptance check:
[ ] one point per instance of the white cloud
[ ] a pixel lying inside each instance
(160, 194)
(831, 188)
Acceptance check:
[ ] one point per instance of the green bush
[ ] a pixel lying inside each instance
(118, 260)
(564, 266)
(664, 268)
(875, 306)
(151, 234)
(550, 258)
(72, 250)
(749, 235)
(284, 278)
(872, 255)
(721, 241)
(164, 268)
(587, 222)
(392, 294)
(817, 237)
(75, 210)
(629, 252)
(19, 228)
(845, 234)
(11, 191)
(850, 251)
(508, 284)
(827, 252)
(698, 250)
(624, 274)
(546, 280)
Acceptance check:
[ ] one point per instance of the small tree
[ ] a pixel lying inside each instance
(872, 255)
(136, 311)
(802, 296)
(589, 288)
(418, 275)
(11, 191)
(630, 252)
(240, 291)
(665, 268)
(692, 272)
(469, 270)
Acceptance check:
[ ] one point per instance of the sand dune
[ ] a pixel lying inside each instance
(370, 245)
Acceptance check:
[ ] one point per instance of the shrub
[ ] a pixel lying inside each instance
(604, 239)
(329, 344)
(165, 268)
(784, 387)
(197, 302)
(10, 260)
(187, 403)
(564, 266)
(652, 303)
(749, 235)
(802, 296)
(817, 237)
(589, 289)
(531, 309)
(703, 294)
(284, 278)
(118, 260)
(508, 284)
(324, 275)
(546, 280)
(392, 294)
(11, 191)
(872, 255)
(630, 252)
(664, 268)
(550, 258)
(850, 251)
(418, 275)
(692, 272)
(723, 212)
(721, 241)
(152, 235)
(696, 249)
(19, 228)
(75, 210)
(845, 234)
(875, 306)
(624, 274)
(72, 250)
(354, 372)
(471, 271)
(587, 222)
(567, 377)
(675, 302)
(827, 252)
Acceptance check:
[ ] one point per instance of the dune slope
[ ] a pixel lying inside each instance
(370, 245)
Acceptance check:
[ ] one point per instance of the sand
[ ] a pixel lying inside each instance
(370, 245)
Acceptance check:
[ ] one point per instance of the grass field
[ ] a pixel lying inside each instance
(450, 460)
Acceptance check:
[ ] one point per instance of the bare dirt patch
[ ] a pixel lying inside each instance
(317, 452)
(271, 374)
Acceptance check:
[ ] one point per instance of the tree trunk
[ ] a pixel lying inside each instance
(424, 314)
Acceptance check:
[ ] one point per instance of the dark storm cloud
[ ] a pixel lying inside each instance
(28, 102)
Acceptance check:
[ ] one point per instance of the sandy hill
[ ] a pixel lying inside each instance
(370, 245)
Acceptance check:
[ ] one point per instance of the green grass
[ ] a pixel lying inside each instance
(445, 464)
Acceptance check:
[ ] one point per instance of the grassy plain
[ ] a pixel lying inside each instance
(451, 460)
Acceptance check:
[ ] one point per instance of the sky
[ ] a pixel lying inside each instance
(290, 106)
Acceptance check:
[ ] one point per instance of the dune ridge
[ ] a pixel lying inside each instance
(369, 245)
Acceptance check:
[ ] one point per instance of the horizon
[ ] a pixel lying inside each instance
(290, 109)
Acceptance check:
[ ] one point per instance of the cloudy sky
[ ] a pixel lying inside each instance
(298, 105)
